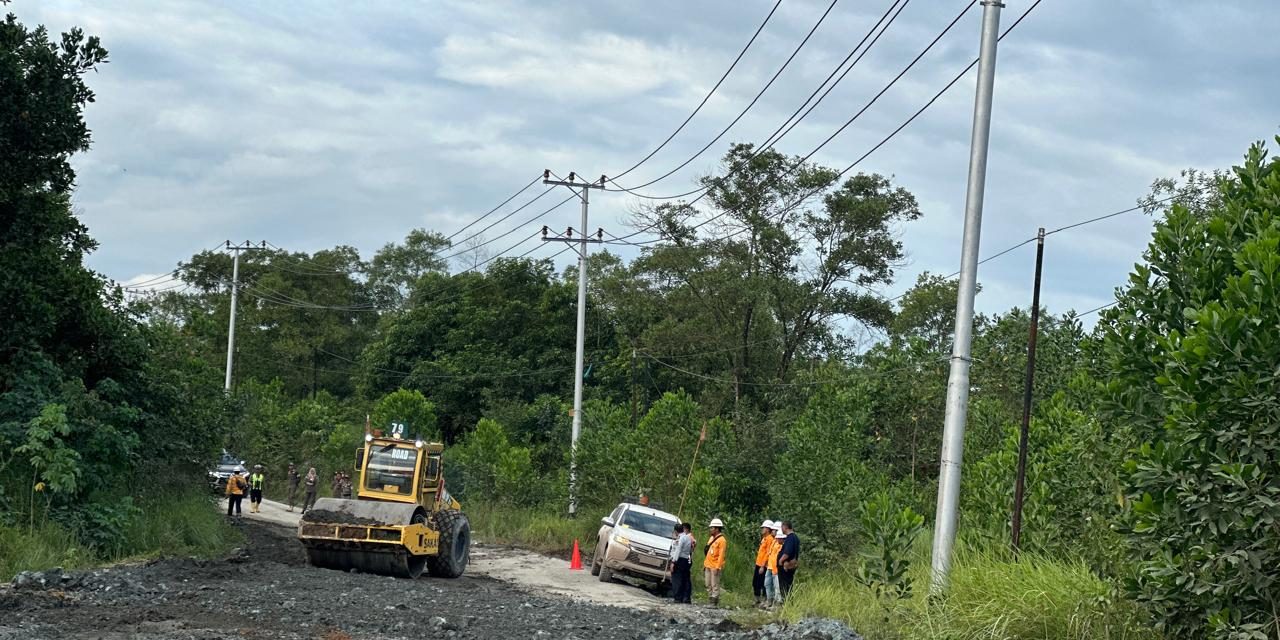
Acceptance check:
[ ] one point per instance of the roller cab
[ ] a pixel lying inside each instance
(401, 522)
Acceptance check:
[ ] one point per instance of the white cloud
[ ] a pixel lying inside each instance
(595, 66)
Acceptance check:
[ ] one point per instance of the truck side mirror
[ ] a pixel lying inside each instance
(607, 521)
(359, 458)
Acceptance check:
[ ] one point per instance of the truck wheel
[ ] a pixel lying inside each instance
(455, 544)
(597, 560)
(605, 574)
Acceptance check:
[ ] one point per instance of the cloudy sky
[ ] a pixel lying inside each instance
(311, 124)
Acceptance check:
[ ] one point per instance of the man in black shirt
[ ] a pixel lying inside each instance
(788, 559)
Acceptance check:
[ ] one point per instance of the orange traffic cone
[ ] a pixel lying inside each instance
(575, 561)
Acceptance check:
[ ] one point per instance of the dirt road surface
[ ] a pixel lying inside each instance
(540, 574)
(268, 591)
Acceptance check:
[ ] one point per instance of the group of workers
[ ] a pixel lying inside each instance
(776, 560)
(341, 484)
(238, 486)
(772, 575)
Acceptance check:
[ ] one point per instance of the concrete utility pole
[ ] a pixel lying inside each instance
(582, 241)
(235, 284)
(944, 532)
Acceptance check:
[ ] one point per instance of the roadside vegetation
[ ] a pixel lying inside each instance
(1154, 471)
(107, 420)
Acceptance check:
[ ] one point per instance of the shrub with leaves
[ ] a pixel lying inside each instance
(1195, 340)
(490, 468)
(888, 534)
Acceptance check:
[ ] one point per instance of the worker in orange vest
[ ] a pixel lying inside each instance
(235, 492)
(713, 561)
(760, 572)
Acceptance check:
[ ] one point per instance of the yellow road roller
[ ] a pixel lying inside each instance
(401, 522)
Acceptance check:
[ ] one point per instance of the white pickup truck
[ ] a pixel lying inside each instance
(636, 541)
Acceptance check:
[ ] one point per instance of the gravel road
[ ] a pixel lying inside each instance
(268, 591)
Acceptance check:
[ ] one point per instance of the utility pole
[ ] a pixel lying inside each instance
(634, 403)
(582, 241)
(235, 285)
(1021, 479)
(944, 532)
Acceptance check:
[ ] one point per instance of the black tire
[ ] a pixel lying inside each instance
(455, 544)
(597, 560)
(605, 574)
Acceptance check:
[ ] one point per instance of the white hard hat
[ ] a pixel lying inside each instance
(715, 522)
(767, 524)
(780, 535)
(777, 525)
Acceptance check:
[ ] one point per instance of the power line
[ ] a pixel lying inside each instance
(1097, 309)
(513, 229)
(490, 212)
(751, 104)
(792, 121)
(802, 199)
(709, 93)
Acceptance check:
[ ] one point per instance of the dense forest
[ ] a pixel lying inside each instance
(756, 319)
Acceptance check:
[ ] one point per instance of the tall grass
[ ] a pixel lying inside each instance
(43, 546)
(538, 530)
(990, 597)
(186, 523)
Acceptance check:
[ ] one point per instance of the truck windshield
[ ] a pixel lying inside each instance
(648, 524)
(390, 468)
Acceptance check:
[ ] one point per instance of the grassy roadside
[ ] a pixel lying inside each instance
(184, 524)
(991, 597)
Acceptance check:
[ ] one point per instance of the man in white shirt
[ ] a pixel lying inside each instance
(679, 567)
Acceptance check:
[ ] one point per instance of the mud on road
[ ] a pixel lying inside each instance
(268, 591)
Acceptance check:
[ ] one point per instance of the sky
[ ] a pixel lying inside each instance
(312, 124)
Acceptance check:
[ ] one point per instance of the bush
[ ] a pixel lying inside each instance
(1194, 341)
(491, 469)
(888, 535)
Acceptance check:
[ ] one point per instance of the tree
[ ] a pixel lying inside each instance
(507, 332)
(928, 311)
(302, 318)
(397, 267)
(51, 306)
(410, 408)
(1193, 342)
(790, 253)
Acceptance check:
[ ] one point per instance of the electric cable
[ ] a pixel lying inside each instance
(709, 93)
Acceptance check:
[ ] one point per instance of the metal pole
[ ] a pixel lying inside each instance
(944, 532)
(1026, 398)
(578, 359)
(231, 329)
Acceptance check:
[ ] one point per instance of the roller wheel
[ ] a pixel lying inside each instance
(455, 544)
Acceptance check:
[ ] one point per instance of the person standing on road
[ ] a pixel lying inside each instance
(761, 568)
(678, 568)
(309, 487)
(345, 489)
(713, 561)
(255, 489)
(294, 479)
(773, 592)
(235, 493)
(788, 559)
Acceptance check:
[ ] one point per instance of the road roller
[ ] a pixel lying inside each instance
(401, 521)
